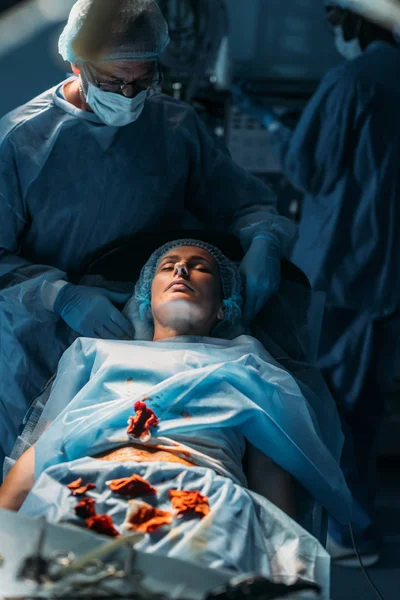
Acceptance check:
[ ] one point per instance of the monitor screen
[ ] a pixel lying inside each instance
(278, 39)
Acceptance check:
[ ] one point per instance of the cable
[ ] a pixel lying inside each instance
(197, 28)
(362, 566)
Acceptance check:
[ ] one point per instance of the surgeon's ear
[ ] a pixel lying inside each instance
(75, 69)
(220, 313)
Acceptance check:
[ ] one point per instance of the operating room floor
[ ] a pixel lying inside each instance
(350, 584)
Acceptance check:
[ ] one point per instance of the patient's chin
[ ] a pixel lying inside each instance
(178, 310)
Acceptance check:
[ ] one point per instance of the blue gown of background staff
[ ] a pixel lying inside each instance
(70, 186)
(345, 156)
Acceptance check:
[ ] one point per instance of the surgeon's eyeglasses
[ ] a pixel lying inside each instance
(129, 88)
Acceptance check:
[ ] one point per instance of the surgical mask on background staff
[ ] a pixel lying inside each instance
(112, 108)
(350, 49)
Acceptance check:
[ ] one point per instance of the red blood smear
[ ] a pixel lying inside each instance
(102, 524)
(133, 487)
(141, 423)
(86, 508)
(185, 501)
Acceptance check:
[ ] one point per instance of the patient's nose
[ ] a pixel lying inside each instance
(181, 269)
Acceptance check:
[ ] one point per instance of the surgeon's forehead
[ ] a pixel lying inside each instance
(189, 253)
(123, 69)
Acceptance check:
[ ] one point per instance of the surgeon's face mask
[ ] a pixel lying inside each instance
(348, 49)
(113, 109)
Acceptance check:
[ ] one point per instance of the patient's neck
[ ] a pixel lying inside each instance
(162, 332)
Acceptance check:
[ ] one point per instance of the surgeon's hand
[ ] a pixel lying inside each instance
(261, 274)
(91, 312)
(263, 114)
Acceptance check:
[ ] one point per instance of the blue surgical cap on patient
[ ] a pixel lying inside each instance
(230, 283)
(138, 32)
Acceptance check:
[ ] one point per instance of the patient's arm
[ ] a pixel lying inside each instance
(18, 482)
(268, 479)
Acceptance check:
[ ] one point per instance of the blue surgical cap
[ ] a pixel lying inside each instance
(230, 282)
(138, 32)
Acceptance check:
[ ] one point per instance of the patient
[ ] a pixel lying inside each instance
(150, 435)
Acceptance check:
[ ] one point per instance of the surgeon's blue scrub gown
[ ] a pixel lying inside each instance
(345, 156)
(71, 186)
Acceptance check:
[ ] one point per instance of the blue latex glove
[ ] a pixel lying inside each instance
(263, 114)
(90, 312)
(260, 270)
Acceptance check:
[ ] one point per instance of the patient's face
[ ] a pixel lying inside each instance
(187, 289)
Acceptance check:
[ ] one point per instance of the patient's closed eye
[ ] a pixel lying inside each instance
(200, 266)
(191, 264)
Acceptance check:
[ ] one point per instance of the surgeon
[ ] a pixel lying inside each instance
(345, 156)
(90, 163)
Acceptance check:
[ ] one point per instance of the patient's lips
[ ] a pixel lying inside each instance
(180, 284)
